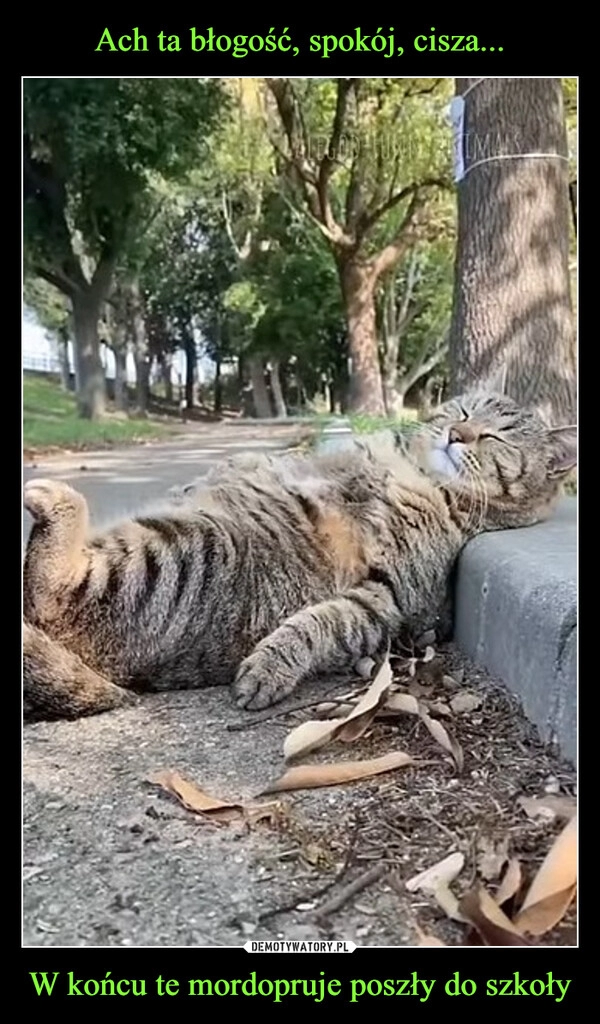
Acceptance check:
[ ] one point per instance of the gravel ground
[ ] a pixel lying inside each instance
(112, 860)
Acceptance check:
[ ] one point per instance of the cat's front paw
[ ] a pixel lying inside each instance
(45, 498)
(262, 679)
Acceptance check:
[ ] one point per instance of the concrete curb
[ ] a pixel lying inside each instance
(516, 615)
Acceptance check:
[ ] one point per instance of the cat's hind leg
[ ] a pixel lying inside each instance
(58, 684)
(326, 637)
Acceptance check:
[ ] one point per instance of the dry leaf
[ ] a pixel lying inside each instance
(438, 707)
(429, 655)
(445, 870)
(548, 807)
(450, 683)
(465, 701)
(553, 888)
(491, 857)
(436, 880)
(310, 776)
(366, 709)
(193, 798)
(443, 737)
(511, 883)
(316, 733)
(403, 702)
(495, 928)
(309, 736)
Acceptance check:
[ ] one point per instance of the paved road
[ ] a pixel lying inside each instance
(120, 482)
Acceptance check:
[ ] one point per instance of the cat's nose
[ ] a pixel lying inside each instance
(461, 432)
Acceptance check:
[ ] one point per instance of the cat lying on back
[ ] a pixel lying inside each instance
(282, 569)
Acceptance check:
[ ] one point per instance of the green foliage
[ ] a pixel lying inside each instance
(49, 305)
(100, 140)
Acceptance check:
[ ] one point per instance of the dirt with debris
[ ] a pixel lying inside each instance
(112, 859)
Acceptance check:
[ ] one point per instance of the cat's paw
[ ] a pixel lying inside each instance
(262, 679)
(45, 498)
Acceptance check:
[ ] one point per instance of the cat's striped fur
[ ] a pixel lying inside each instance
(283, 569)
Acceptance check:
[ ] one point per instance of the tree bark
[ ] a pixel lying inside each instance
(512, 302)
(278, 399)
(63, 359)
(90, 380)
(190, 368)
(218, 398)
(121, 392)
(260, 395)
(165, 362)
(358, 288)
(140, 348)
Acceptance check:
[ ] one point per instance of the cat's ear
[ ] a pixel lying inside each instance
(496, 383)
(563, 453)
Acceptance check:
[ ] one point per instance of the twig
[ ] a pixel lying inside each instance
(267, 914)
(425, 814)
(360, 883)
(279, 712)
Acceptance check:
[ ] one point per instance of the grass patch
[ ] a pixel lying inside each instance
(363, 424)
(50, 420)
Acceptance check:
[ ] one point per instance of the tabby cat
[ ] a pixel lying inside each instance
(283, 569)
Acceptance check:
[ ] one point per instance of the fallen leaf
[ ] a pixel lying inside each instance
(450, 683)
(465, 701)
(443, 737)
(310, 776)
(554, 886)
(309, 736)
(438, 707)
(511, 882)
(404, 702)
(445, 870)
(195, 799)
(428, 655)
(366, 709)
(436, 879)
(491, 857)
(492, 924)
(548, 807)
(316, 733)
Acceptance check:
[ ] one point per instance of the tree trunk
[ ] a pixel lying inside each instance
(121, 392)
(512, 301)
(358, 290)
(278, 399)
(165, 361)
(218, 402)
(190, 368)
(260, 395)
(90, 380)
(140, 348)
(63, 359)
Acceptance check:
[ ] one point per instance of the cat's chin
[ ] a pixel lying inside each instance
(441, 465)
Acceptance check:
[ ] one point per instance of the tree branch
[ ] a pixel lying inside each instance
(344, 85)
(397, 197)
(424, 364)
(59, 280)
(304, 171)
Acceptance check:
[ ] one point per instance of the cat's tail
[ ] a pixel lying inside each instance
(58, 684)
